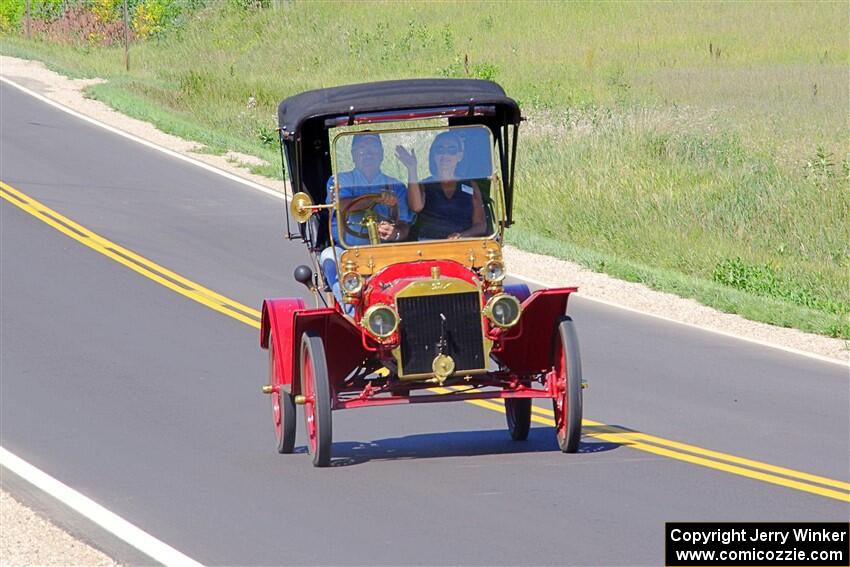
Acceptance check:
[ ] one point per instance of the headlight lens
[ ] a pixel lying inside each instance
(503, 310)
(494, 271)
(352, 283)
(380, 320)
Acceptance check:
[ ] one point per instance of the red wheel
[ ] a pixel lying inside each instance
(283, 409)
(518, 416)
(568, 399)
(316, 389)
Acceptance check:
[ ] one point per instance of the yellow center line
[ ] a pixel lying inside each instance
(707, 452)
(249, 316)
(130, 259)
(598, 429)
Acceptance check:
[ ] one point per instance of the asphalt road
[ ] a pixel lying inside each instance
(149, 403)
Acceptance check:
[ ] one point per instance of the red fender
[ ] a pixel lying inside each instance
(530, 351)
(290, 320)
(279, 314)
(343, 343)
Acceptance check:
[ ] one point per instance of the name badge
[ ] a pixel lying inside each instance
(467, 189)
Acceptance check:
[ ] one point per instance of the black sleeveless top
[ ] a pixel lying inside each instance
(442, 216)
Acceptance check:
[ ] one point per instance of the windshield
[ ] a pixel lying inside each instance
(403, 186)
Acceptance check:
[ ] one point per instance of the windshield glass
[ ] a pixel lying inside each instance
(402, 186)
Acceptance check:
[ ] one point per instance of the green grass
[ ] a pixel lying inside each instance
(701, 148)
(757, 308)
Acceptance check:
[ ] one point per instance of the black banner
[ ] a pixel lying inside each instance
(762, 544)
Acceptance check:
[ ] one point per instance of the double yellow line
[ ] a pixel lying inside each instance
(740, 466)
(140, 264)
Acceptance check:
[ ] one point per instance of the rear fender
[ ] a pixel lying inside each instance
(279, 317)
(530, 351)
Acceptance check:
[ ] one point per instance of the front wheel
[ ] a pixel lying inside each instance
(568, 397)
(315, 386)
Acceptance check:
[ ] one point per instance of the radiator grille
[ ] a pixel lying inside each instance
(420, 331)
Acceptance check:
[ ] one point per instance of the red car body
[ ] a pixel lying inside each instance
(446, 344)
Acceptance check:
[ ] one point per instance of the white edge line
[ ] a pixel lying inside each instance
(109, 521)
(280, 195)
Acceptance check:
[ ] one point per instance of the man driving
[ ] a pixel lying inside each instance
(355, 188)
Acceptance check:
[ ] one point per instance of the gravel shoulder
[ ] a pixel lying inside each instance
(27, 539)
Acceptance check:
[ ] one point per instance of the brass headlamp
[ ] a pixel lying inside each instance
(380, 320)
(503, 310)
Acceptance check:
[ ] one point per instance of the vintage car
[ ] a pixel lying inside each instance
(403, 191)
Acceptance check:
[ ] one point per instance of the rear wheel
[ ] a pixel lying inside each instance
(568, 399)
(518, 416)
(283, 408)
(315, 386)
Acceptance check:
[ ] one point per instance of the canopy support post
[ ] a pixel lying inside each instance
(512, 166)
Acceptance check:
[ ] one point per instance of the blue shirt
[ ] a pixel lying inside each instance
(354, 184)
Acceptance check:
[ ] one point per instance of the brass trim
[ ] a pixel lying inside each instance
(471, 253)
(488, 310)
(364, 321)
(443, 366)
(442, 286)
(427, 288)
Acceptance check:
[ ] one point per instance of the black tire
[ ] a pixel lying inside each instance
(319, 440)
(285, 430)
(518, 416)
(566, 345)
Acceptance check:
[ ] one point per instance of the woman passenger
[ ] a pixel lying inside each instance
(447, 207)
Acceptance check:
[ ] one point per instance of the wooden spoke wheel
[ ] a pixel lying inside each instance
(518, 416)
(283, 408)
(567, 403)
(315, 386)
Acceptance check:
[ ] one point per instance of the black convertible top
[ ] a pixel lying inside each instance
(304, 120)
(294, 111)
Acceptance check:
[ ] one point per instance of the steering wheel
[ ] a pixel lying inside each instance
(369, 212)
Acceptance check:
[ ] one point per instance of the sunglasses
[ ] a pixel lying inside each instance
(447, 150)
(373, 151)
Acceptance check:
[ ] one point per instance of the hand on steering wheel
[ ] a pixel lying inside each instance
(360, 230)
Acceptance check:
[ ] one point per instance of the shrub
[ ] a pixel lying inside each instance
(11, 13)
(150, 17)
(79, 24)
(107, 10)
(47, 10)
(249, 4)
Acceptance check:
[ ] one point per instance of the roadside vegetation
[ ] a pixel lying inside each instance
(700, 148)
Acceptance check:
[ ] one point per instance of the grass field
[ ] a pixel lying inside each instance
(701, 148)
